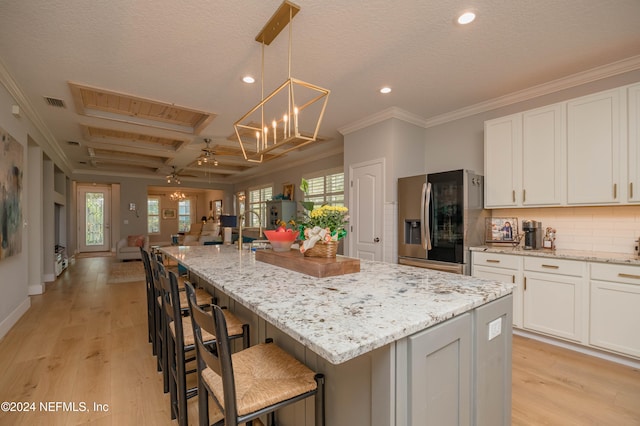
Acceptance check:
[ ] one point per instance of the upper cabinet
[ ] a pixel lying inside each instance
(633, 188)
(593, 149)
(585, 151)
(502, 158)
(524, 154)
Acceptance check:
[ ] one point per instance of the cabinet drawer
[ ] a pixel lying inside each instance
(496, 260)
(554, 266)
(617, 273)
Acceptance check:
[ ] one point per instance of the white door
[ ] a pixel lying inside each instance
(366, 202)
(94, 221)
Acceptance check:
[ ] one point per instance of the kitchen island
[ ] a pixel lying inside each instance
(398, 345)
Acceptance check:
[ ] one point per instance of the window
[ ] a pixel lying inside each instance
(184, 215)
(258, 198)
(153, 215)
(327, 189)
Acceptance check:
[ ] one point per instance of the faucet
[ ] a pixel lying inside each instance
(242, 216)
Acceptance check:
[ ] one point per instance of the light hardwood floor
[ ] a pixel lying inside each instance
(85, 341)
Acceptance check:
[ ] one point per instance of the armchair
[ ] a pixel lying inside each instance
(128, 248)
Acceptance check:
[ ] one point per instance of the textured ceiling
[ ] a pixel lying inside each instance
(193, 54)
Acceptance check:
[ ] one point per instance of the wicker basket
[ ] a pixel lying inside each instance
(323, 249)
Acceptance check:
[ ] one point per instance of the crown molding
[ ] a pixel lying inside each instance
(392, 112)
(583, 77)
(49, 143)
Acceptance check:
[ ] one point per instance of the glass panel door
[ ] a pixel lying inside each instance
(93, 218)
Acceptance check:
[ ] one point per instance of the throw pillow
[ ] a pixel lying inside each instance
(135, 240)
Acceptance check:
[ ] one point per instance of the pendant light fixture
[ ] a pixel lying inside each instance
(288, 118)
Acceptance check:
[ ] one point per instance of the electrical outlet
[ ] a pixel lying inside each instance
(495, 328)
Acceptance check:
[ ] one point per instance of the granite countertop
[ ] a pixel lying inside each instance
(342, 317)
(590, 256)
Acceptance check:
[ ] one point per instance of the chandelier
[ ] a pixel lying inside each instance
(177, 196)
(288, 118)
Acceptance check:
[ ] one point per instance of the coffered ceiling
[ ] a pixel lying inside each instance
(135, 88)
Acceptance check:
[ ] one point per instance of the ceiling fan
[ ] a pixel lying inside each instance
(175, 176)
(207, 156)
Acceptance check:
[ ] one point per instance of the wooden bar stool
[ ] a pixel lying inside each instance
(151, 320)
(250, 383)
(180, 341)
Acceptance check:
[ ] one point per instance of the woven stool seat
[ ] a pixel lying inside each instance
(203, 298)
(264, 375)
(234, 327)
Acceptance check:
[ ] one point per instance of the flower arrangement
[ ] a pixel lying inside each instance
(323, 224)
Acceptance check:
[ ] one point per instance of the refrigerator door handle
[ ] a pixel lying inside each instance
(422, 207)
(424, 210)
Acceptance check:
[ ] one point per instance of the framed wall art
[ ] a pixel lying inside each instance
(169, 213)
(287, 191)
(11, 171)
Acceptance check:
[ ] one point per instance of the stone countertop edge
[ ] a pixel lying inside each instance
(590, 256)
(340, 318)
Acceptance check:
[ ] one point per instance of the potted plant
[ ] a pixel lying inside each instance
(321, 228)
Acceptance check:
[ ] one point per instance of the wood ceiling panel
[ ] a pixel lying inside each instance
(91, 100)
(129, 157)
(146, 141)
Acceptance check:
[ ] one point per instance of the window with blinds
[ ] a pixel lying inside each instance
(153, 215)
(328, 189)
(258, 198)
(184, 215)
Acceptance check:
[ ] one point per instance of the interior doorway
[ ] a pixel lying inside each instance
(366, 201)
(94, 218)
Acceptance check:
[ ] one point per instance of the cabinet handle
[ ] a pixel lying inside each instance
(615, 191)
(551, 266)
(524, 195)
(636, 277)
(513, 195)
(492, 261)
(525, 283)
(630, 189)
(513, 279)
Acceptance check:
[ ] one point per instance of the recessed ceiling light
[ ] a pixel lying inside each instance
(248, 79)
(466, 18)
(385, 90)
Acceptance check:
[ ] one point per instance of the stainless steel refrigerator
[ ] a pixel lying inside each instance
(440, 215)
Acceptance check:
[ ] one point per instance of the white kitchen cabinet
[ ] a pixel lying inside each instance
(594, 144)
(502, 161)
(633, 99)
(554, 297)
(543, 156)
(524, 156)
(615, 316)
(504, 268)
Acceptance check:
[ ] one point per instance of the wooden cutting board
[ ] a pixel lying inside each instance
(319, 267)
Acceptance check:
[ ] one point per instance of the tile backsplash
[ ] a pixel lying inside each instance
(608, 229)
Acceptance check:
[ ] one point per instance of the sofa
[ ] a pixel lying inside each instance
(128, 248)
(202, 233)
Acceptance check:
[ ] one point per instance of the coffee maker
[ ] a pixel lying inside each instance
(532, 234)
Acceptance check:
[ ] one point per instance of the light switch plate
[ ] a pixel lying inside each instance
(495, 328)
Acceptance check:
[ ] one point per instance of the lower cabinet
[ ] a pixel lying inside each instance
(459, 372)
(554, 291)
(615, 308)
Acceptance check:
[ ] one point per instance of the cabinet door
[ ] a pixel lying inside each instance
(502, 161)
(543, 154)
(439, 376)
(593, 149)
(553, 305)
(633, 96)
(505, 276)
(615, 317)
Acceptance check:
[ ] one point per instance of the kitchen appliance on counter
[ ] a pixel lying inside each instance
(440, 215)
(532, 234)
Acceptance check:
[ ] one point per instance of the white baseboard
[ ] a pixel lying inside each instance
(48, 278)
(14, 316)
(629, 362)
(36, 289)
